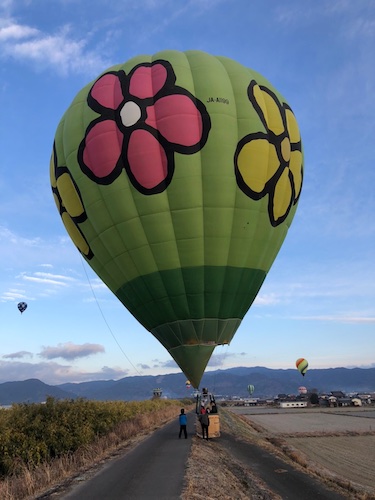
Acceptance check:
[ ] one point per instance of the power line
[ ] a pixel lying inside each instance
(105, 321)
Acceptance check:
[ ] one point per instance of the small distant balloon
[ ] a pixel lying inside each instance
(157, 393)
(302, 390)
(302, 365)
(250, 389)
(188, 384)
(22, 306)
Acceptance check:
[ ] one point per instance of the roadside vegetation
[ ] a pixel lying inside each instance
(42, 445)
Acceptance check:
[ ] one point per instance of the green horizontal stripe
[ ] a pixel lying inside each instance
(193, 293)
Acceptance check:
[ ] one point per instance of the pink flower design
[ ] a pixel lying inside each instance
(144, 119)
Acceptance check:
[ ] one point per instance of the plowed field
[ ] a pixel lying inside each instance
(341, 440)
(352, 457)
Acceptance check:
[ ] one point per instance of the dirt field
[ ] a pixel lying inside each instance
(340, 440)
(315, 421)
(352, 457)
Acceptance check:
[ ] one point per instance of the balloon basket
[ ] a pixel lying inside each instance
(213, 428)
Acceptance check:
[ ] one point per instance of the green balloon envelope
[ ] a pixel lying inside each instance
(177, 177)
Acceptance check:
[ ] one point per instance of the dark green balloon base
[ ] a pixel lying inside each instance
(192, 310)
(191, 342)
(196, 293)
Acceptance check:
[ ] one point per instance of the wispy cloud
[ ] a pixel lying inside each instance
(224, 358)
(55, 373)
(170, 363)
(9, 236)
(16, 32)
(266, 299)
(18, 251)
(61, 50)
(169, 12)
(13, 295)
(48, 278)
(339, 319)
(30, 264)
(18, 355)
(70, 351)
(142, 366)
(216, 360)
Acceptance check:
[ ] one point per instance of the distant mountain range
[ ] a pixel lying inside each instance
(268, 383)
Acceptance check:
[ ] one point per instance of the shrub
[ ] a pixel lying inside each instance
(34, 433)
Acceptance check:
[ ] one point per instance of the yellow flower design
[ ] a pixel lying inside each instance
(69, 204)
(270, 162)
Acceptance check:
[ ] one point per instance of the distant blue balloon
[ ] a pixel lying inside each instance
(22, 306)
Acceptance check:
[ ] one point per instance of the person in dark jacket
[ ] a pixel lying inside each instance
(183, 423)
(205, 422)
(213, 407)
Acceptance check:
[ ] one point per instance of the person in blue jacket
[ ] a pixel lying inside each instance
(183, 423)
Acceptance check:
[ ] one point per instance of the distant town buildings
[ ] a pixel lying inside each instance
(331, 399)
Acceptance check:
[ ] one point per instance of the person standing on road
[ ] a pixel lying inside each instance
(205, 422)
(183, 423)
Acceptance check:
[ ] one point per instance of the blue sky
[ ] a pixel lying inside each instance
(318, 300)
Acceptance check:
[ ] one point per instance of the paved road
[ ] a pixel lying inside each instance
(154, 469)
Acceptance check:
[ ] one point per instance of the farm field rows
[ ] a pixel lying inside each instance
(337, 439)
(351, 457)
(315, 421)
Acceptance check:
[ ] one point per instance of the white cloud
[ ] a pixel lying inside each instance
(339, 319)
(17, 355)
(16, 32)
(53, 279)
(142, 366)
(12, 295)
(266, 299)
(54, 373)
(43, 280)
(8, 236)
(222, 359)
(70, 351)
(60, 51)
(29, 264)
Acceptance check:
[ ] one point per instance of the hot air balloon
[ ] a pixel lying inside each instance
(177, 176)
(302, 365)
(302, 390)
(156, 393)
(22, 306)
(188, 384)
(250, 389)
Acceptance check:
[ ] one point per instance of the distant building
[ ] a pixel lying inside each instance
(344, 401)
(293, 404)
(337, 394)
(356, 402)
(366, 398)
(250, 402)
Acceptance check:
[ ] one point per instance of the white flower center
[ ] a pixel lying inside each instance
(130, 113)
